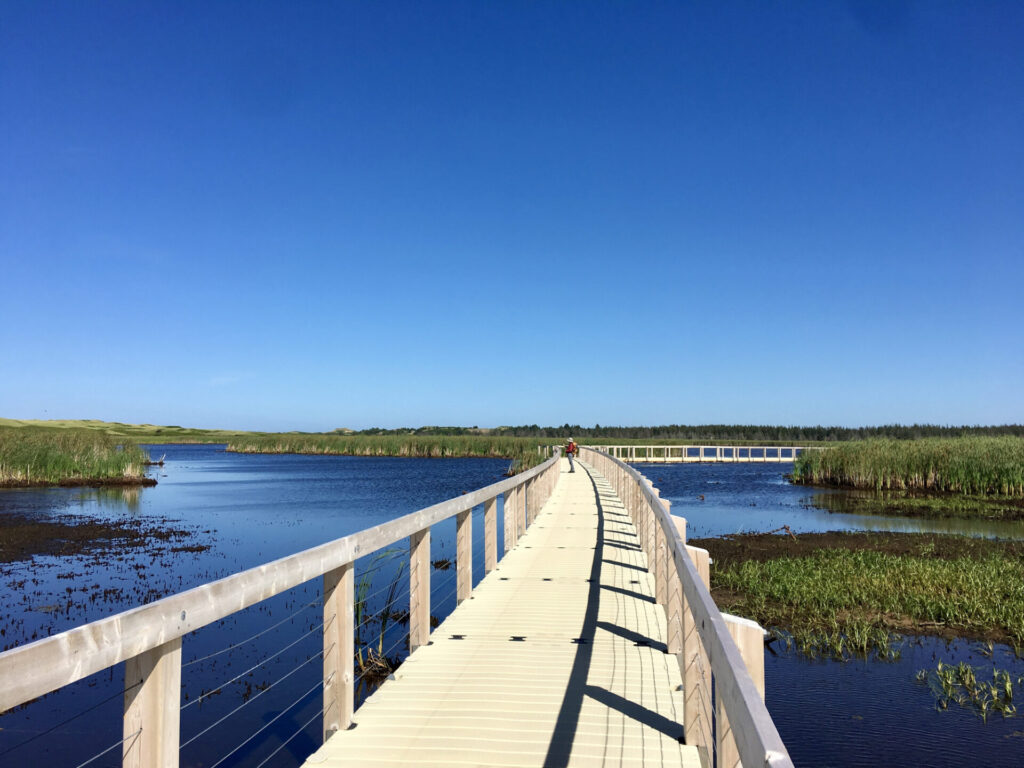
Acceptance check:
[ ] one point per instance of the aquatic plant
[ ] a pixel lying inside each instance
(844, 601)
(372, 661)
(960, 684)
(981, 466)
(53, 456)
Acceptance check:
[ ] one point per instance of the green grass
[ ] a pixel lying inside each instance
(981, 466)
(849, 594)
(969, 687)
(53, 456)
(522, 451)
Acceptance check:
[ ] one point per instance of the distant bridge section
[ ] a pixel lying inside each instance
(682, 454)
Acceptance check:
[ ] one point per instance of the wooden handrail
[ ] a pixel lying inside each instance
(757, 740)
(42, 666)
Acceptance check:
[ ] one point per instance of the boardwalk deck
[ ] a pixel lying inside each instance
(558, 659)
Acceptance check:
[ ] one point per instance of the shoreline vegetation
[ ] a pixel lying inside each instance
(968, 466)
(39, 456)
(842, 594)
(524, 453)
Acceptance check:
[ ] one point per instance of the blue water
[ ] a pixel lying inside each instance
(252, 508)
(248, 509)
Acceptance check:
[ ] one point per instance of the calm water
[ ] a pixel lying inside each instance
(250, 509)
(855, 713)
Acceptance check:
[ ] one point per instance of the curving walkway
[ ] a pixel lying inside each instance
(557, 659)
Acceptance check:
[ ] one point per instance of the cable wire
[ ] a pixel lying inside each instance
(73, 717)
(108, 749)
(318, 601)
(250, 669)
(253, 698)
(266, 725)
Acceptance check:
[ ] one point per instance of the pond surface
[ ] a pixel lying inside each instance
(248, 509)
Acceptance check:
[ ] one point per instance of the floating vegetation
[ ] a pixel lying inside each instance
(982, 466)
(968, 687)
(35, 456)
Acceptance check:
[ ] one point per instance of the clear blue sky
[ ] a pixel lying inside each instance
(313, 215)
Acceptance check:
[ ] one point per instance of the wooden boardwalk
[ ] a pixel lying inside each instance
(557, 659)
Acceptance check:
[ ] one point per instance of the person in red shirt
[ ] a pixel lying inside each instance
(571, 450)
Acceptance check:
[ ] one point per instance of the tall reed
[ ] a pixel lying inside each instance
(966, 465)
(522, 451)
(54, 456)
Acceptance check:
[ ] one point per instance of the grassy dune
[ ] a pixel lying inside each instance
(523, 451)
(981, 466)
(62, 456)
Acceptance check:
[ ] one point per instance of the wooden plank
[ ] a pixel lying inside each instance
(339, 648)
(503, 683)
(749, 637)
(419, 589)
(463, 555)
(152, 707)
(490, 534)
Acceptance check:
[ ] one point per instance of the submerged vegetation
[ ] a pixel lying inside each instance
(523, 452)
(32, 456)
(980, 466)
(835, 594)
(909, 504)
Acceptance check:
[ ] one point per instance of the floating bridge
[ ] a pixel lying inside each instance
(592, 640)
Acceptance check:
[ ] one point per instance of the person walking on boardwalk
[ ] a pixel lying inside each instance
(571, 450)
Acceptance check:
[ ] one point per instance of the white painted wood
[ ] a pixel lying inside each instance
(339, 648)
(152, 707)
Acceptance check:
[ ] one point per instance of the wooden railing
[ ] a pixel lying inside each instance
(674, 454)
(148, 639)
(739, 730)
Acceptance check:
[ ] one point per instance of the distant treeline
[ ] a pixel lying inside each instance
(717, 432)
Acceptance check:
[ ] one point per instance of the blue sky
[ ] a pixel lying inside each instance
(313, 215)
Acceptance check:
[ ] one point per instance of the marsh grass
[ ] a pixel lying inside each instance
(32, 456)
(982, 466)
(523, 452)
(839, 602)
(911, 504)
(970, 688)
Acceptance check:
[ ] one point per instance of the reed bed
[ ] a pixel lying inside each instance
(32, 456)
(860, 596)
(982, 466)
(522, 452)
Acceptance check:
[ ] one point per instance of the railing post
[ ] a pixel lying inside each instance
(339, 648)
(419, 589)
(490, 534)
(152, 707)
(697, 725)
(463, 555)
(509, 519)
(749, 638)
(674, 605)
